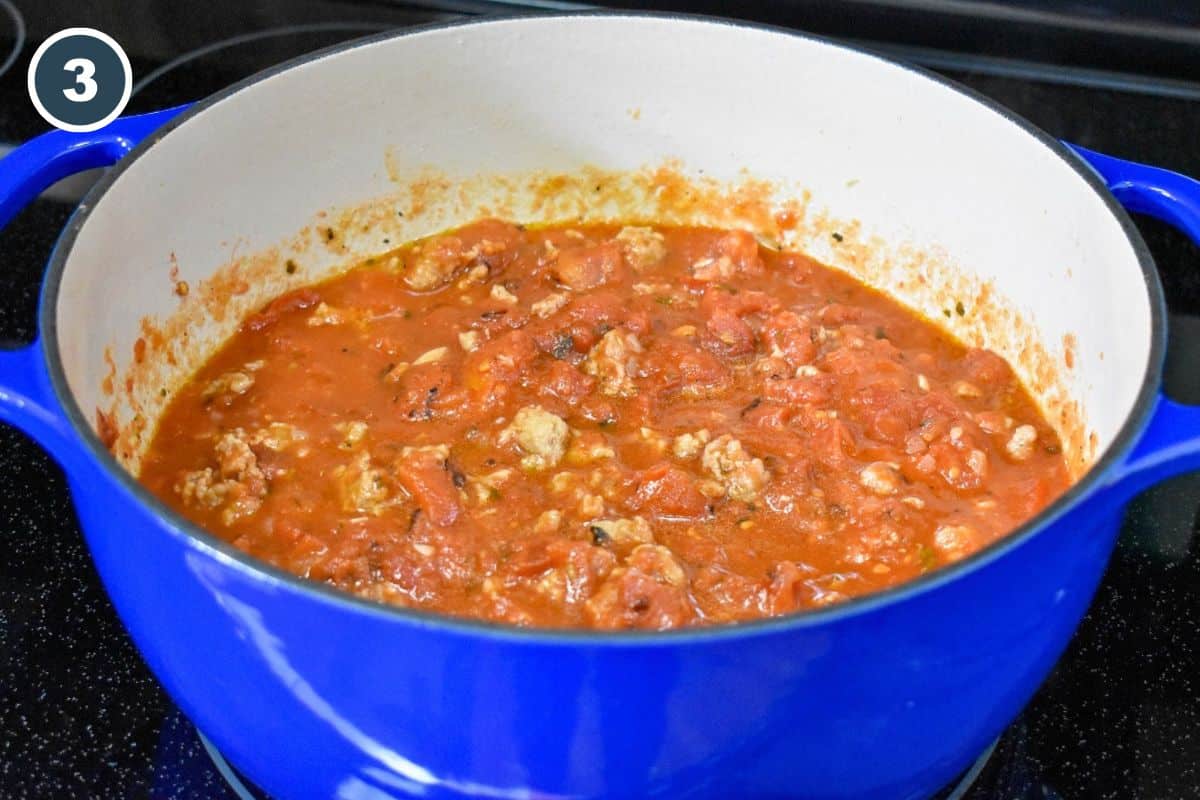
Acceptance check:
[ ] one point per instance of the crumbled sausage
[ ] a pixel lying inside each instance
(475, 275)
(548, 305)
(649, 591)
(433, 263)
(1020, 445)
(659, 561)
(954, 541)
(742, 475)
(239, 465)
(643, 247)
(324, 314)
(202, 488)
(502, 294)
(540, 434)
(689, 445)
(362, 487)
(231, 383)
(352, 433)
(278, 436)
(238, 481)
(582, 268)
(880, 477)
(611, 362)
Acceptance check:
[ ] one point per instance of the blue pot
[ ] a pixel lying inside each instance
(316, 694)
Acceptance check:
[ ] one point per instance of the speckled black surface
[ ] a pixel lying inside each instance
(81, 716)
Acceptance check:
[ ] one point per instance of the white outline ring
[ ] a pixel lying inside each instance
(94, 34)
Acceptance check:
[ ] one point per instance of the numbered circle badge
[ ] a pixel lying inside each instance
(80, 80)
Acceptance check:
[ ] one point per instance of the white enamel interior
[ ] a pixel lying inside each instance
(915, 161)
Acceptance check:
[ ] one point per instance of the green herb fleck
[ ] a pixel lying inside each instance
(662, 300)
(960, 308)
(927, 557)
(290, 266)
(599, 535)
(837, 237)
(946, 311)
(880, 333)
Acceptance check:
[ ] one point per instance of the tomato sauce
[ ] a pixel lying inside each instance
(602, 426)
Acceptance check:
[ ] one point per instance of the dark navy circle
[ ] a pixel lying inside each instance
(80, 80)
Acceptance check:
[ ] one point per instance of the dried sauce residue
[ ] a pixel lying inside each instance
(1070, 346)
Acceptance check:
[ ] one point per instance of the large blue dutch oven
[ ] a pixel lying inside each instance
(316, 694)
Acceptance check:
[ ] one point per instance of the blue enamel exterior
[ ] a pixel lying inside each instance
(315, 694)
(42, 162)
(26, 397)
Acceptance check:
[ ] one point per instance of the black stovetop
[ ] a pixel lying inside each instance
(80, 714)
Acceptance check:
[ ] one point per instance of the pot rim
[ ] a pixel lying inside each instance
(196, 537)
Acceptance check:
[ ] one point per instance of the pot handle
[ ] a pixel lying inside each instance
(1171, 442)
(26, 396)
